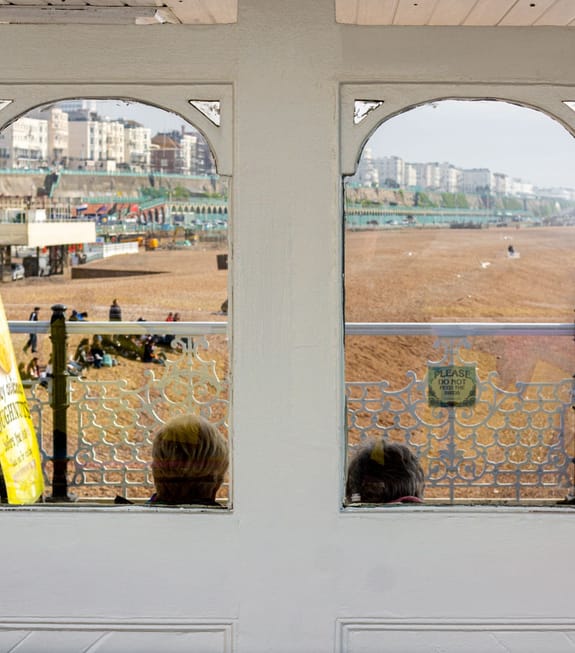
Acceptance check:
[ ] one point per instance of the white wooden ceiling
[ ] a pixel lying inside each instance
(486, 13)
(143, 12)
(355, 12)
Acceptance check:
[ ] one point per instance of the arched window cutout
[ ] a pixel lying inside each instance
(209, 109)
(459, 239)
(361, 108)
(118, 200)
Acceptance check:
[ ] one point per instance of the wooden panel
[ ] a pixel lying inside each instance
(346, 11)
(410, 12)
(84, 15)
(223, 11)
(488, 12)
(562, 12)
(198, 12)
(205, 12)
(376, 12)
(526, 12)
(80, 3)
(451, 12)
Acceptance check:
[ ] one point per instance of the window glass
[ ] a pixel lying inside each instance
(114, 210)
(459, 236)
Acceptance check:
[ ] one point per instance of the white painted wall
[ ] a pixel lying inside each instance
(286, 570)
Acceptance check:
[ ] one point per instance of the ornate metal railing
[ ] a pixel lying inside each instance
(513, 442)
(507, 444)
(96, 426)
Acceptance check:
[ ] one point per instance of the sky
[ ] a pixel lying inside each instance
(157, 119)
(503, 137)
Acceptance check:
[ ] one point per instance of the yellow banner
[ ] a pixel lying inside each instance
(19, 451)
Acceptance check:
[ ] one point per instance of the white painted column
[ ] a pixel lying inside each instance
(287, 395)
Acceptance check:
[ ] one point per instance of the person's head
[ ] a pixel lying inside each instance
(382, 472)
(189, 461)
(36, 309)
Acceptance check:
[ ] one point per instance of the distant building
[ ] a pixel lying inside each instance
(165, 155)
(57, 136)
(205, 163)
(24, 144)
(501, 184)
(86, 144)
(69, 106)
(444, 177)
(94, 144)
(427, 175)
(477, 180)
(449, 178)
(366, 174)
(77, 138)
(115, 147)
(521, 188)
(57, 133)
(556, 193)
(137, 146)
(390, 171)
(410, 175)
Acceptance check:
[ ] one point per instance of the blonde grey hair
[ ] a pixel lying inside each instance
(189, 460)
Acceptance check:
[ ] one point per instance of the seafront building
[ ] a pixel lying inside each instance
(24, 144)
(74, 136)
(394, 172)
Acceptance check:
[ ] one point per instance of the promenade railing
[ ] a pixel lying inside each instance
(96, 425)
(510, 438)
(513, 442)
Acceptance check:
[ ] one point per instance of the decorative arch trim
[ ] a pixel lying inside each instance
(389, 100)
(174, 98)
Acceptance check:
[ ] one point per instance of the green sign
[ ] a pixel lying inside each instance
(451, 385)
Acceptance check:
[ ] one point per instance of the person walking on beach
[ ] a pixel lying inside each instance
(115, 314)
(32, 342)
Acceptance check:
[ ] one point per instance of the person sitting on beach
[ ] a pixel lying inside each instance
(97, 352)
(148, 355)
(76, 316)
(189, 461)
(46, 374)
(384, 472)
(74, 368)
(33, 369)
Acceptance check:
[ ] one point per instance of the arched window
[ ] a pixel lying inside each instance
(459, 236)
(101, 191)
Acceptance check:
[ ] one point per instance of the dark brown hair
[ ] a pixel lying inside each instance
(382, 471)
